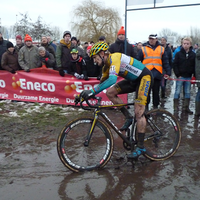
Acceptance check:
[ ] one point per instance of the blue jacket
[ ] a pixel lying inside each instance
(176, 50)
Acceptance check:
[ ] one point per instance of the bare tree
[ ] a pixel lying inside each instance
(39, 29)
(195, 35)
(56, 33)
(23, 26)
(170, 34)
(91, 20)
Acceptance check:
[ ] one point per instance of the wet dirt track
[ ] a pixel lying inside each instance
(31, 170)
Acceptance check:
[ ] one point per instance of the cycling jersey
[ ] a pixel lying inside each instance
(119, 64)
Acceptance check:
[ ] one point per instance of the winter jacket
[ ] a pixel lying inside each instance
(197, 67)
(53, 45)
(184, 63)
(17, 48)
(176, 51)
(92, 69)
(63, 55)
(164, 58)
(48, 60)
(9, 61)
(118, 46)
(169, 55)
(77, 66)
(3, 48)
(49, 48)
(28, 57)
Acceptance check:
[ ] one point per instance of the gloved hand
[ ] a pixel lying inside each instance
(61, 72)
(27, 70)
(86, 94)
(77, 99)
(98, 77)
(42, 59)
(13, 71)
(77, 75)
(86, 78)
(81, 76)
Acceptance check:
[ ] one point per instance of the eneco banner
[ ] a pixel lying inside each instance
(46, 86)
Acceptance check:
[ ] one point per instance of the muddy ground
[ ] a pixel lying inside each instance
(31, 170)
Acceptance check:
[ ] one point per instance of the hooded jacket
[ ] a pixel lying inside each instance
(118, 47)
(48, 60)
(9, 61)
(28, 57)
(184, 63)
(63, 55)
(77, 66)
(197, 67)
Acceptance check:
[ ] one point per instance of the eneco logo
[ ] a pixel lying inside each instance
(28, 85)
(2, 84)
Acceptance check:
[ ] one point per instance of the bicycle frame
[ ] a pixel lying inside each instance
(98, 112)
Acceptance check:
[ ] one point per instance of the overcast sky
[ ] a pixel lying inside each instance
(139, 23)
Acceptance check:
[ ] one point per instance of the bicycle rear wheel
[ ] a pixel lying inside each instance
(162, 135)
(78, 157)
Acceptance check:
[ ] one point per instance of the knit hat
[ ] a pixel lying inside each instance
(165, 37)
(9, 44)
(121, 31)
(19, 37)
(27, 38)
(66, 32)
(74, 38)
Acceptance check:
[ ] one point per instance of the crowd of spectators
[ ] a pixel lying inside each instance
(69, 57)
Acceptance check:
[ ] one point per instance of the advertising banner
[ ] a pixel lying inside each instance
(46, 86)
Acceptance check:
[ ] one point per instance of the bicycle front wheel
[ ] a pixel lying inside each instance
(72, 150)
(162, 136)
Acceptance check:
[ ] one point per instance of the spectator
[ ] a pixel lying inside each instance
(47, 46)
(138, 48)
(184, 68)
(28, 55)
(46, 58)
(154, 57)
(19, 43)
(75, 45)
(91, 43)
(102, 39)
(52, 43)
(9, 60)
(85, 45)
(3, 47)
(119, 45)
(77, 66)
(177, 50)
(92, 69)
(197, 75)
(196, 46)
(63, 55)
(169, 55)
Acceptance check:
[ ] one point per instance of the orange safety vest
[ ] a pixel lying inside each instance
(153, 58)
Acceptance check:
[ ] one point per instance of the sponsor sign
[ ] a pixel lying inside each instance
(46, 86)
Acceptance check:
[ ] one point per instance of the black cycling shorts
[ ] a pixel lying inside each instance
(141, 86)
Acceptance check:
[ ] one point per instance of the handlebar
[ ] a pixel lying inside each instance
(81, 100)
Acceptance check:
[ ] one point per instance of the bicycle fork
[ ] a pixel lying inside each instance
(89, 135)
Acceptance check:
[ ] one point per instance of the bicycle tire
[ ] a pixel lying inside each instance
(161, 147)
(77, 157)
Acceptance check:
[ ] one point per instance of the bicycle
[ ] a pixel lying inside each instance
(86, 143)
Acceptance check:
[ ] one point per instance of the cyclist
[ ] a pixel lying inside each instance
(136, 78)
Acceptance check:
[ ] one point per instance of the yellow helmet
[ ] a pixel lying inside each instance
(97, 47)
